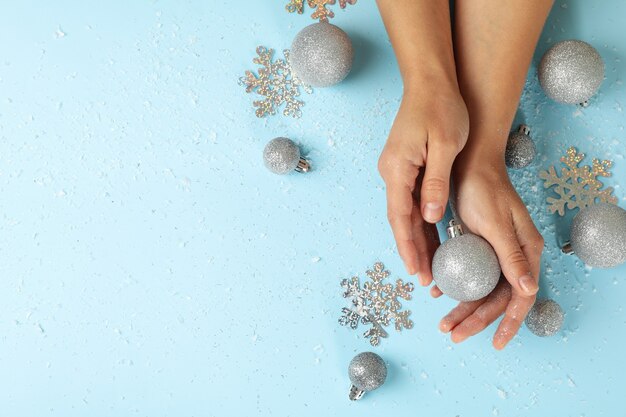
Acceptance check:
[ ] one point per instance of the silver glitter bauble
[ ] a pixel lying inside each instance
(465, 267)
(321, 55)
(545, 318)
(367, 372)
(598, 235)
(571, 72)
(520, 149)
(282, 155)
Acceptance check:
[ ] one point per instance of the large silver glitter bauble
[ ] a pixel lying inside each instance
(281, 155)
(466, 267)
(321, 55)
(545, 318)
(571, 72)
(520, 149)
(598, 235)
(367, 371)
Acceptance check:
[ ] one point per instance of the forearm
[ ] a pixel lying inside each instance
(494, 44)
(420, 32)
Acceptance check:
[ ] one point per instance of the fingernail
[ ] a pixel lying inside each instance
(410, 270)
(444, 326)
(528, 284)
(433, 212)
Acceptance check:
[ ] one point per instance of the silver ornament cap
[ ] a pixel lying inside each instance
(571, 72)
(520, 149)
(367, 371)
(545, 318)
(465, 267)
(321, 55)
(598, 235)
(282, 155)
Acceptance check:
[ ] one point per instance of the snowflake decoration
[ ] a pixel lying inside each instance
(577, 186)
(275, 83)
(321, 12)
(376, 304)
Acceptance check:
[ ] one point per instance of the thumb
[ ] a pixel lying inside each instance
(515, 265)
(436, 184)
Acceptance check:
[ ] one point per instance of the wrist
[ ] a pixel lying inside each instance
(433, 81)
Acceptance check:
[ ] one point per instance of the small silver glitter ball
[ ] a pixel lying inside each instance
(545, 318)
(598, 235)
(520, 149)
(367, 371)
(281, 155)
(466, 267)
(321, 55)
(571, 72)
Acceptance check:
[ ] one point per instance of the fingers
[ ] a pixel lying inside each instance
(399, 209)
(514, 316)
(488, 312)
(436, 184)
(458, 314)
(531, 243)
(435, 292)
(513, 260)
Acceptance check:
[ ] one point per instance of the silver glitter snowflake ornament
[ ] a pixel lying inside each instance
(376, 304)
(321, 13)
(275, 83)
(577, 187)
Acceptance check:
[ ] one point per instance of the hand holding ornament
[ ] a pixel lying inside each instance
(415, 164)
(489, 206)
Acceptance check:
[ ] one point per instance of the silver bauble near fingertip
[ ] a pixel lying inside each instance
(545, 318)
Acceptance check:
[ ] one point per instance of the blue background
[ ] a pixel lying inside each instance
(150, 265)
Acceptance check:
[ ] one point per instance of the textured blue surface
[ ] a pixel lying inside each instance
(151, 265)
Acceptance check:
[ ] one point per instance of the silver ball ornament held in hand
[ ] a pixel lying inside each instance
(367, 371)
(545, 318)
(571, 72)
(520, 149)
(321, 55)
(282, 155)
(465, 267)
(598, 235)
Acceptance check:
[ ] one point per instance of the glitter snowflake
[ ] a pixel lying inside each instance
(376, 304)
(321, 12)
(275, 83)
(577, 187)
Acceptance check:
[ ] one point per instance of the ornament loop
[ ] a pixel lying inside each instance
(524, 129)
(303, 165)
(355, 393)
(567, 248)
(454, 229)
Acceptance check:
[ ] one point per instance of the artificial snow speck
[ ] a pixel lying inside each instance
(577, 187)
(376, 304)
(275, 83)
(321, 13)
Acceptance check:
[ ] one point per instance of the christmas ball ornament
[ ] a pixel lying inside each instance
(465, 267)
(321, 55)
(282, 155)
(545, 318)
(367, 372)
(571, 72)
(598, 235)
(520, 148)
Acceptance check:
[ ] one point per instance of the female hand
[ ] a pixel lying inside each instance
(489, 206)
(430, 129)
